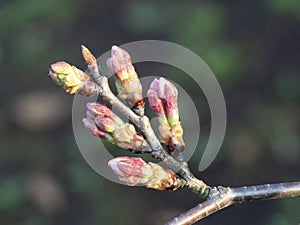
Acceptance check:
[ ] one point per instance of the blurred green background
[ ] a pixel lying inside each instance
(251, 46)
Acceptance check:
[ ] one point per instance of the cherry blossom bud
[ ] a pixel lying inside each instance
(101, 120)
(157, 105)
(72, 79)
(99, 110)
(162, 97)
(95, 109)
(167, 93)
(127, 82)
(105, 124)
(91, 126)
(134, 171)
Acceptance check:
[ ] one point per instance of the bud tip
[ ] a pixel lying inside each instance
(87, 55)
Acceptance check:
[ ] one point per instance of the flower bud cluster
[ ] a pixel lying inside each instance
(102, 122)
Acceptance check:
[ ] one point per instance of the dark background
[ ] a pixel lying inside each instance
(251, 46)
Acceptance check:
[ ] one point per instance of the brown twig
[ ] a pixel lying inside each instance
(222, 197)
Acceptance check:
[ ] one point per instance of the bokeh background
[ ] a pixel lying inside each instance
(251, 46)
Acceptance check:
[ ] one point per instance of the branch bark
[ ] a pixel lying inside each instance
(222, 197)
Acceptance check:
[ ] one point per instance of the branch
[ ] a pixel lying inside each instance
(222, 197)
(181, 168)
(74, 80)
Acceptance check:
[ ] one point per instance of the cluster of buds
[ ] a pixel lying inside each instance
(72, 79)
(103, 123)
(127, 82)
(162, 97)
(134, 171)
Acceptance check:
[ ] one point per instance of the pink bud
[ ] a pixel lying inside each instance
(167, 92)
(97, 109)
(127, 82)
(120, 61)
(162, 97)
(102, 122)
(157, 105)
(94, 130)
(170, 100)
(132, 171)
(105, 124)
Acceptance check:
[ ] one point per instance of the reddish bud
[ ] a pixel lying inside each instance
(162, 97)
(120, 64)
(134, 171)
(100, 110)
(127, 81)
(101, 120)
(157, 105)
(94, 130)
(105, 124)
(167, 93)
(95, 109)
